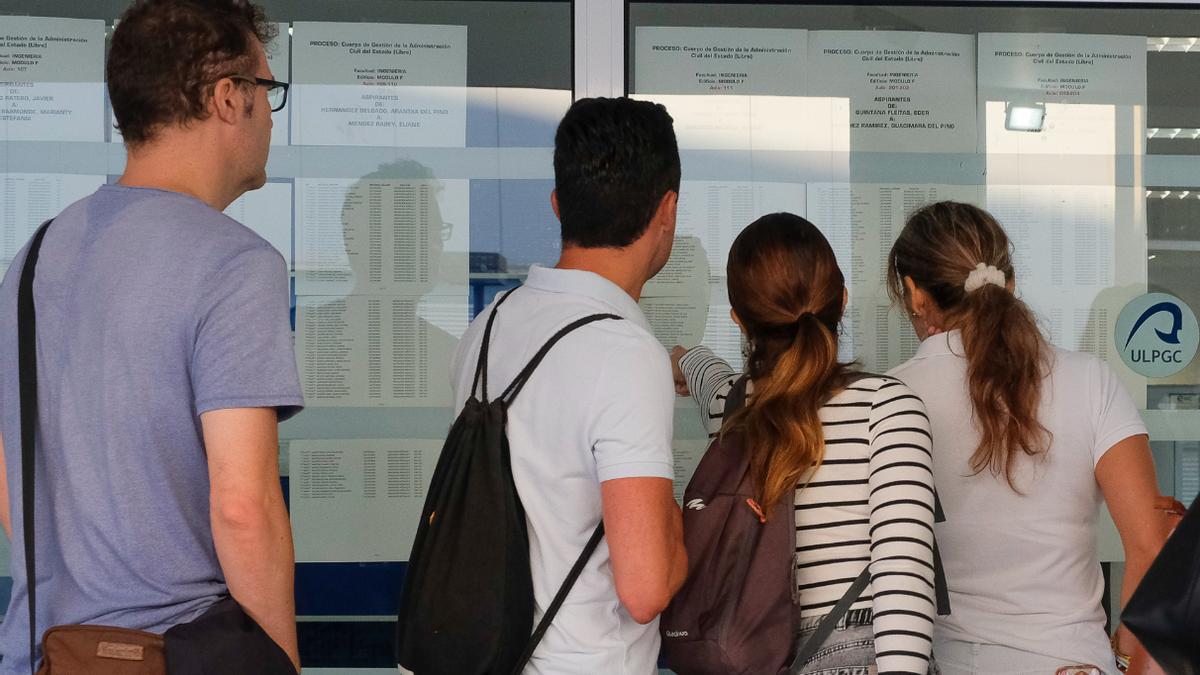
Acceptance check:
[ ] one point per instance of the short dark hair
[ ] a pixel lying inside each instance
(166, 55)
(614, 159)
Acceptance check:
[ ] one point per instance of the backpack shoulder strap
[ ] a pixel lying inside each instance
(941, 590)
(559, 598)
(522, 377)
(509, 394)
(821, 634)
(481, 364)
(735, 399)
(27, 377)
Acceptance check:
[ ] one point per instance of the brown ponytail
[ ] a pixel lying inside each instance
(1007, 356)
(787, 291)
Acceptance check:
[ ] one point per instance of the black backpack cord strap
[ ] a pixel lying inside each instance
(27, 376)
(481, 366)
(821, 634)
(522, 377)
(559, 598)
(941, 590)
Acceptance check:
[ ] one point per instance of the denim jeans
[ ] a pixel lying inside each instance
(850, 648)
(971, 658)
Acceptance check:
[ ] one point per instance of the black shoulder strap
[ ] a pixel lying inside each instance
(481, 364)
(829, 622)
(27, 376)
(507, 397)
(522, 377)
(509, 394)
(821, 634)
(735, 399)
(941, 590)
(559, 598)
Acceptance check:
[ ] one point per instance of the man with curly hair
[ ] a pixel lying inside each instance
(164, 354)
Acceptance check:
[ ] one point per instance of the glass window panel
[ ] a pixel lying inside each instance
(409, 180)
(1076, 126)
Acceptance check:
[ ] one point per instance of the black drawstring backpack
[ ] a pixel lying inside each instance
(467, 603)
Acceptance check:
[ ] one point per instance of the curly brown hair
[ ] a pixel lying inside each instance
(166, 55)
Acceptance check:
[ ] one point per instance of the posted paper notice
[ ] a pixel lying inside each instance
(1062, 68)
(344, 493)
(745, 61)
(378, 351)
(51, 79)
(384, 236)
(897, 84)
(29, 199)
(380, 84)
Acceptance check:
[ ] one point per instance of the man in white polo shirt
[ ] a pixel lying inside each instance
(590, 434)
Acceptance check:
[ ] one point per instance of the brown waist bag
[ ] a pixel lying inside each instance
(222, 641)
(102, 650)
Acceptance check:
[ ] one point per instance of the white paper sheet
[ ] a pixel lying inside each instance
(1062, 68)
(710, 215)
(737, 122)
(861, 222)
(686, 272)
(378, 351)
(381, 235)
(268, 211)
(1063, 248)
(897, 83)
(29, 199)
(344, 493)
(279, 58)
(676, 321)
(721, 334)
(51, 79)
(1073, 129)
(380, 84)
(676, 60)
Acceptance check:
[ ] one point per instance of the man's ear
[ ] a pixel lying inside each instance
(554, 203)
(227, 101)
(668, 209)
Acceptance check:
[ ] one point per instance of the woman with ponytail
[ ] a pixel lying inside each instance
(1027, 440)
(851, 449)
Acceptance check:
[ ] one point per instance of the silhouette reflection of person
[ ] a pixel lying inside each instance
(391, 215)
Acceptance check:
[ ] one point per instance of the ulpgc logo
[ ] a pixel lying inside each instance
(1157, 335)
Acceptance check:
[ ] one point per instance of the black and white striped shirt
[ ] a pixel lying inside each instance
(869, 502)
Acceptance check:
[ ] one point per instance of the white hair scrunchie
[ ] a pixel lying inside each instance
(983, 275)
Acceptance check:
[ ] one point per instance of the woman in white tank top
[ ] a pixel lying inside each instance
(1028, 439)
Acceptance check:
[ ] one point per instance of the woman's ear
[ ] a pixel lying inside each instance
(918, 301)
(733, 315)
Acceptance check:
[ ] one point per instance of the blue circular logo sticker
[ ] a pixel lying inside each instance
(1157, 335)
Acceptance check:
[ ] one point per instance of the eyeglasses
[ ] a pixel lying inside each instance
(276, 90)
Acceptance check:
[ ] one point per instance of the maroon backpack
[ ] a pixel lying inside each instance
(737, 612)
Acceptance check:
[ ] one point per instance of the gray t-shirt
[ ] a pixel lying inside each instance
(152, 308)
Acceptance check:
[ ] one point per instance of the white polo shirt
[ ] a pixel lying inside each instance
(1023, 570)
(599, 407)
